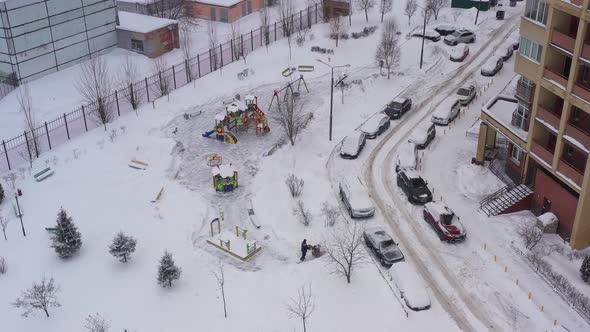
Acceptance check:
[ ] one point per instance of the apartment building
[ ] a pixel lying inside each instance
(546, 125)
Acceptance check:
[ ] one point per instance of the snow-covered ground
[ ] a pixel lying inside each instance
(94, 184)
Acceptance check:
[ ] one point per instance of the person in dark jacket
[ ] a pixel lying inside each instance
(304, 248)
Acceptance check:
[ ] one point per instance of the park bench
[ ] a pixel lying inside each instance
(43, 174)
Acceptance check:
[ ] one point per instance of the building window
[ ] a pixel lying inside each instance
(536, 10)
(137, 45)
(530, 49)
(520, 117)
(569, 151)
(575, 114)
(515, 154)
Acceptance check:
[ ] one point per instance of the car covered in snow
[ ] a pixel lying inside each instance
(445, 30)
(465, 94)
(505, 52)
(461, 36)
(429, 34)
(415, 188)
(459, 54)
(355, 197)
(444, 221)
(353, 144)
(384, 247)
(446, 111)
(422, 135)
(375, 125)
(398, 107)
(411, 286)
(492, 66)
(407, 157)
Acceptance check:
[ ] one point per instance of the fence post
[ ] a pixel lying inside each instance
(309, 17)
(47, 132)
(261, 33)
(241, 45)
(6, 155)
(187, 68)
(199, 65)
(221, 52)
(210, 61)
(35, 143)
(67, 129)
(316, 13)
(147, 90)
(251, 40)
(160, 80)
(174, 76)
(84, 116)
(275, 31)
(117, 100)
(29, 147)
(301, 20)
(231, 46)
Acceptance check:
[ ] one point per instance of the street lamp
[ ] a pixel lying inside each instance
(332, 90)
(423, 35)
(20, 214)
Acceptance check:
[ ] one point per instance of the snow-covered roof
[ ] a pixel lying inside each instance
(142, 23)
(225, 170)
(250, 98)
(223, 3)
(233, 108)
(500, 108)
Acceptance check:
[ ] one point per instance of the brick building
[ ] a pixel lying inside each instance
(224, 10)
(148, 35)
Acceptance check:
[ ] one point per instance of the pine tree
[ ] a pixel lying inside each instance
(123, 246)
(585, 269)
(1, 193)
(167, 270)
(66, 240)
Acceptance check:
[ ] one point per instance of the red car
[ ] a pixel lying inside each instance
(459, 54)
(444, 222)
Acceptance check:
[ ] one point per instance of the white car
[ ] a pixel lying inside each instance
(407, 157)
(465, 94)
(492, 66)
(460, 36)
(446, 112)
(429, 34)
(376, 125)
(355, 197)
(410, 285)
(352, 145)
(422, 135)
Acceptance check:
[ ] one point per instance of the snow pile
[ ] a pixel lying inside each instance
(476, 182)
(547, 218)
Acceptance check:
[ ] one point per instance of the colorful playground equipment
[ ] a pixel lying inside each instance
(225, 178)
(239, 116)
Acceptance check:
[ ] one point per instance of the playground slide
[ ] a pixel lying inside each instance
(230, 137)
(208, 134)
(252, 216)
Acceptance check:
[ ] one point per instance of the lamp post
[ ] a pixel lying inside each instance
(423, 36)
(332, 90)
(20, 214)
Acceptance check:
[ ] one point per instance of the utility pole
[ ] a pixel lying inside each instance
(332, 90)
(20, 215)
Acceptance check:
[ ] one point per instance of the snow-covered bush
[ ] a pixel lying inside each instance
(167, 270)
(96, 323)
(331, 214)
(2, 265)
(295, 184)
(305, 217)
(122, 247)
(530, 233)
(41, 296)
(584, 269)
(66, 240)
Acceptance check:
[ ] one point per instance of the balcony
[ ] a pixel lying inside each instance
(555, 78)
(581, 91)
(525, 91)
(586, 51)
(578, 134)
(563, 41)
(542, 152)
(548, 117)
(567, 170)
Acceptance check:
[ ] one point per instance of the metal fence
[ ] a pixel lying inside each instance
(30, 144)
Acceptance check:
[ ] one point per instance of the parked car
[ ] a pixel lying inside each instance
(459, 54)
(446, 112)
(460, 36)
(423, 135)
(353, 144)
(429, 34)
(376, 125)
(492, 66)
(505, 52)
(465, 94)
(356, 199)
(386, 250)
(407, 157)
(398, 107)
(444, 222)
(415, 188)
(410, 285)
(445, 30)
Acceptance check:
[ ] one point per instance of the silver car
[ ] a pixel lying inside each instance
(355, 197)
(460, 36)
(465, 94)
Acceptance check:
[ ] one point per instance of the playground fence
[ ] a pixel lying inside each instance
(31, 144)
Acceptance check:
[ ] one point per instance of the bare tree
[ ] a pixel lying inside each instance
(179, 10)
(294, 184)
(219, 274)
(337, 28)
(160, 66)
(530, 233)
(456, 13)
(286, 11)
(426, 12)
(96, 323)
(303, 214)
(3, 224)
(237, 42)
(95, 85)
(214, 55)
(41, 296)
(435, 6)
(385, 7)
(365, 5)
(25, 104)
(388, 51)
(290, 116)
(303, 306)
(186, 45)
(346, 251)
(128, 76)
(265, 25)
(410, 9)
(2, 265)
(331, 214)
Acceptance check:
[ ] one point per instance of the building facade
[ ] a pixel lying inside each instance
(224, 10)
(548, 128)
(39, 37)
(148, 35)
(334, 8)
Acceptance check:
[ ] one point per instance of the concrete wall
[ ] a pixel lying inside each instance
(202, 10)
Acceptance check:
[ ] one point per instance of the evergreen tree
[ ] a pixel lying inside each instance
(1, 193)
(66, 240)
(123, 246)
(585, 269)
(167, 270)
